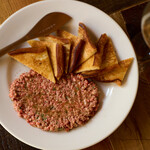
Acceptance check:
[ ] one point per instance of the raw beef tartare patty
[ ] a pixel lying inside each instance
(69, 103)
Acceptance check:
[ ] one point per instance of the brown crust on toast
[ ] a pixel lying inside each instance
(109, 55)
(94, 73)
(75, 54)
(91, 73)
(109, 59)
(76, 49)
(63, 40)
(86, 36)
(100, 48)
(55, 39)
(51, 46)
(65, 34)
(117, 73)
(52, 53)
(27, 50)
(35, 43)
(118, 82)
(66, 45)
(89, 48)
(38, 62)
(60, 60)
(94, 62)
(124, 64)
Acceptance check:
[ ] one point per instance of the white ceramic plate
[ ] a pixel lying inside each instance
(117, 101)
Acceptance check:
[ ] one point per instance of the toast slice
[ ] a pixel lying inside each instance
(94, 62)
(56, 54)
(66, 43)
(109, 55)
(76, 47)
(36, 44)
(89, 49)
(93, 73)
(117, 74)
(35, 58)
(28, 50)
(57, 58)
(109, 58)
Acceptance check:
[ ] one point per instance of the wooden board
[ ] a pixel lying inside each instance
(112, 6)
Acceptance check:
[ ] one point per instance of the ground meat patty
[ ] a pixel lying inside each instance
(53, 107)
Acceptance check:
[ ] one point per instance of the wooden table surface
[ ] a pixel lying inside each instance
(134, 132)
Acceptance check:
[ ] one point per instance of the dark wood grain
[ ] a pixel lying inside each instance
(133, 18)
(112, 6)
(8, 142)
(134, 133)
(104, 145)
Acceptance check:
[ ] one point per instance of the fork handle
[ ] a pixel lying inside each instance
(11, 46)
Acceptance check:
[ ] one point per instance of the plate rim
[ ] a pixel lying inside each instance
(135, 59)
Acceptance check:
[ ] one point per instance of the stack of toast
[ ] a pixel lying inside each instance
(55, 56)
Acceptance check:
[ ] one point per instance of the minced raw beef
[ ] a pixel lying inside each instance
(69, 103)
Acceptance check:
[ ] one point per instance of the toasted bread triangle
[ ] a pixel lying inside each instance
(117, 73)
(66, 43)
(109, 55)
(38, 62)
(67, 35)
(76, 48)
(57, 58)
(109, 58)
(56, 54)
(94, 62)
(35, 43)
(89, 49)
